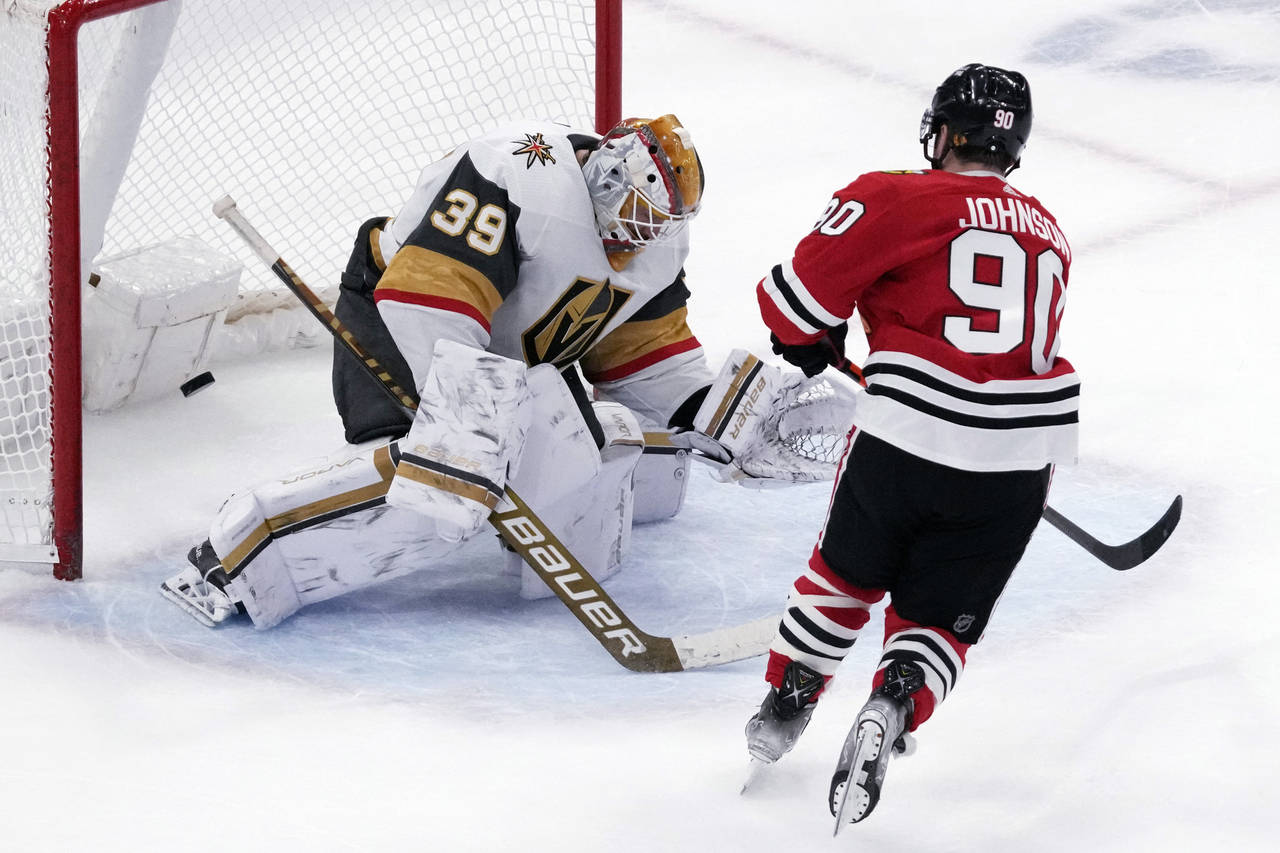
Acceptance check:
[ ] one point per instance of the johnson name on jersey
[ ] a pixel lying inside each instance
(498, 247)
(960, 281)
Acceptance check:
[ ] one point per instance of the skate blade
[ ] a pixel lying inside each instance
(845, 799)
(870, 743)
(754, 771)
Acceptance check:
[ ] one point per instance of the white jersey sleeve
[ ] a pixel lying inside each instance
(498, 248)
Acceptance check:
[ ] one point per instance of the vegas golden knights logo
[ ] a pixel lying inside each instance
(574, 323)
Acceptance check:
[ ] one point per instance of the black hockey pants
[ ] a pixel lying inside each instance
(943, 542)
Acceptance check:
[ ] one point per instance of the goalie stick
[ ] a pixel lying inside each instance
(526, 534)
(1120, 557)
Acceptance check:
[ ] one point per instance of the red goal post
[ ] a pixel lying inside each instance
(125, 119)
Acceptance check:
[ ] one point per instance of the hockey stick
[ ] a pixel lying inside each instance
(1119, 557)
(1127, 554)
(526, 534)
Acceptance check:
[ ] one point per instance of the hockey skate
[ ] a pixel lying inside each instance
(783, 715)
(199, 588)
(878, 734)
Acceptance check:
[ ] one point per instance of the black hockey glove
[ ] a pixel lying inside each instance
(813, 358)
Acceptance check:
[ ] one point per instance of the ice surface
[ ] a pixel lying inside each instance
(1103, 711)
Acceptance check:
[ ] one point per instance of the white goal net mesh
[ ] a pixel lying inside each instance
(314, 114)
(25, 493)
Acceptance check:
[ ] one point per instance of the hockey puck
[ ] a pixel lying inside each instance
(196, 383)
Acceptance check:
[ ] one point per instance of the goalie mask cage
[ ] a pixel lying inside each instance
(125, 119)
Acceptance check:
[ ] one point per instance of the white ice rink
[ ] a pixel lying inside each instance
(1104, 711)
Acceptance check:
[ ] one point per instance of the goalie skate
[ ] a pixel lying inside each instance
(200, 599)
(196, 589)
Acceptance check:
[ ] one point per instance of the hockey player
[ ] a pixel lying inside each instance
(959, 279)
(524, 252)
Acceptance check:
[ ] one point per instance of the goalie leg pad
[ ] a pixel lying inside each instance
(559, 455)
(662, 475)
(259, 579)
(320, 533)
(453, 462)
(593, 520)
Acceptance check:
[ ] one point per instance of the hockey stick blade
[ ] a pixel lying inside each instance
(1128, 554)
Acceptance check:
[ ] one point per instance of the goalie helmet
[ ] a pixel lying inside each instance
(645, 181)
(986, 109)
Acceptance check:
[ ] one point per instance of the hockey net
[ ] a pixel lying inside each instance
(125, 119)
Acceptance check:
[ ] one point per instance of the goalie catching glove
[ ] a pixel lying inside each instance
(763, 427)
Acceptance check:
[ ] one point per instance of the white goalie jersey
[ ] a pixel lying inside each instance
(498, 248)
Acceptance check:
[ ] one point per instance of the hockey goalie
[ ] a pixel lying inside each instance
(522, 257)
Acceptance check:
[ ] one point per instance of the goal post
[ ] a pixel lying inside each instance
(125, 119)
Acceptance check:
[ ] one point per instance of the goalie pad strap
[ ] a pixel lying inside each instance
(573, 381)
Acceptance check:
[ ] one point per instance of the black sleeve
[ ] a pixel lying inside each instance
(366, 410)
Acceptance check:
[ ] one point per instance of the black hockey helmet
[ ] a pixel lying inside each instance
(987, 111)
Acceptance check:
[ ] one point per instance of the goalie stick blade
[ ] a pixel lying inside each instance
(726, 645)
(1128, 554)
(645, 652)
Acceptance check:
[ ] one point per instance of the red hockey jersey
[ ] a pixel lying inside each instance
(960, 281)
